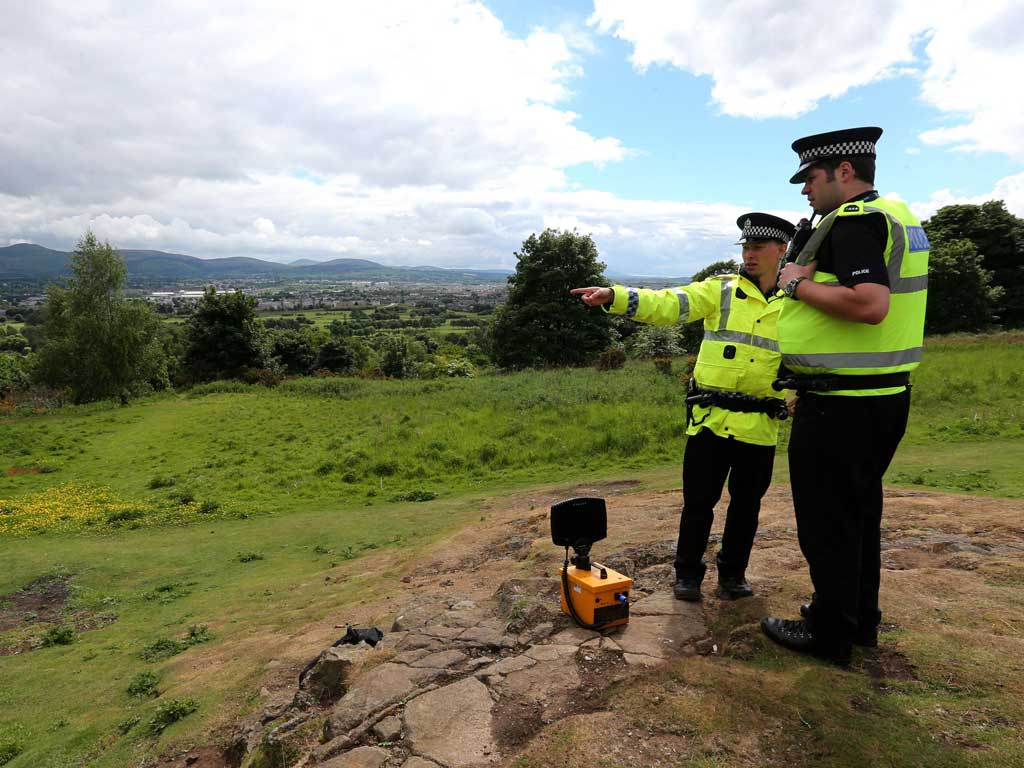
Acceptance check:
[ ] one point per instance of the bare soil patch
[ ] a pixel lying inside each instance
(38, 602)
(15, 471)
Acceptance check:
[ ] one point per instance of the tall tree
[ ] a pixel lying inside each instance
(541, 323)
(998, 237)
(961, 296)
(224, 339)
(95, 341)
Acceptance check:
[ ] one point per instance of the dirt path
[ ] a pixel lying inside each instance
(947, 561)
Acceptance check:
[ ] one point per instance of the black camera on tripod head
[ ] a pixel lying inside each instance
(578, 523)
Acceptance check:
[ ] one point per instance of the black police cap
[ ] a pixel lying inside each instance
(764, 226)
(850, 142)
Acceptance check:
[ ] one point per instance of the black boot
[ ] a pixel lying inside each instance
(687, 589)
(864, 637)
(733, 587)
(795, 635)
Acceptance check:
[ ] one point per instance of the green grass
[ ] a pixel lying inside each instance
(301, 482)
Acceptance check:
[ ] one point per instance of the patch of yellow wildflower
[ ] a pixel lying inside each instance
(68, 507)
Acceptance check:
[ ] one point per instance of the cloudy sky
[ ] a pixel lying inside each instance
(444, 132)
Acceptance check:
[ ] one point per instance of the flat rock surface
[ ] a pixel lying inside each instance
(661, 636)
(452, 725)
(372, 692)
(664, 604)
(360, 757)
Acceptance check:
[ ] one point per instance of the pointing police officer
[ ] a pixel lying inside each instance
(850, 331)
(732, 418)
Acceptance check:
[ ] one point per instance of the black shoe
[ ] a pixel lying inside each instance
(687, 589)
(795, 635)
(865, 638)
(733, 588)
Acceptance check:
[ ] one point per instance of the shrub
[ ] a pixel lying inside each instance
(158, 481)
(63, 635)
(183, 497)
(415, 496)
(248, 557)
(10, 748)
(171, 711)
(384, 468)
(144, 684)
(161, 649)
(128, 723)
(198, 633)
(124, 515)
(208, 507)
(611, 358)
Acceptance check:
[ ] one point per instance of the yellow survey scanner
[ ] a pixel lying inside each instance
(596, 597)
(599, 596)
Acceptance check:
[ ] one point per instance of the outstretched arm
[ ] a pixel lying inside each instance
(594, 296)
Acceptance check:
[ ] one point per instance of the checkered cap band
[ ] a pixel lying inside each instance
(763, 232)
(840, 149)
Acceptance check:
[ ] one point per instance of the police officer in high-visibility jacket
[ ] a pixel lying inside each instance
(732, 420)
(850, 330)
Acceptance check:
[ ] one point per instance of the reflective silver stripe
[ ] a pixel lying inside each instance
(765, 343)
(898, 235)
(684, 304)
(911, 284)
(742, 338)
(726, 304)
(839, 360)
(633, 303)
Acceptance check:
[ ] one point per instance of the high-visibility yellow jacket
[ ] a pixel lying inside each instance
(740, 350)
(815, 343)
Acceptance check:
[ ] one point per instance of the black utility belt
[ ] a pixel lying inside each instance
(737, 401)
(834, 382)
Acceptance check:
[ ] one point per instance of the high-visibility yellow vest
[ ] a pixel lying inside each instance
(740, 350)
(816, 343)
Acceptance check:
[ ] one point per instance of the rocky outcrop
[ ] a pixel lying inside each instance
(457, 684)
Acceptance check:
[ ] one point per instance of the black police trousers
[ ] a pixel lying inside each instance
(839, 449)
(707, 461)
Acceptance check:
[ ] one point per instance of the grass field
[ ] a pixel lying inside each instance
(226, 507)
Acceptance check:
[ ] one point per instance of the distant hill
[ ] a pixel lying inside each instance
(26, 261)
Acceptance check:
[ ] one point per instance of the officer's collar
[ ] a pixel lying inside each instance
(743, 273)
(865, 197)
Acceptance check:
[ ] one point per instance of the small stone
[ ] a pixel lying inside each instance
(406, 579)
(389, 729)
(360, 757)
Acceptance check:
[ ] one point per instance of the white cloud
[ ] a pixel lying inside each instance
(767, 59)
(264, 226)
(1009, 189)
(303, 129)
(778, 59)
(975, 60)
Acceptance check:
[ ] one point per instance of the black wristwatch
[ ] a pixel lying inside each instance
(790, 288)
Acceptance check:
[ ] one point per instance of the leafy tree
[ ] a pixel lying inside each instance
(96, 342)
(961, 296)
(296, 349)
(394, 356)
(693, 333)
(338, 355)
(224, 339)
(14, 372)
(541, 323)
(998, 237)
(654, 341)
(12, 341)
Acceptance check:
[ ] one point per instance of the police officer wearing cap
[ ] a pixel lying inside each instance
(733, 412)
(850, 331)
